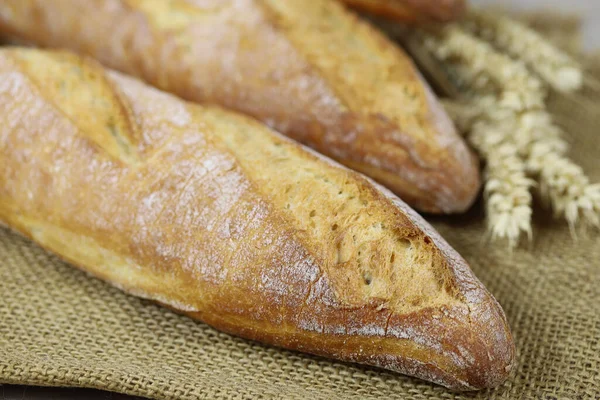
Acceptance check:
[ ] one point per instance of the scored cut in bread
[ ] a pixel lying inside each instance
(412, 11)
(310, 69)
(218, 217)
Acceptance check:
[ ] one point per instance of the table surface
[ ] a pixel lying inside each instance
(589, 8)
(11, 392)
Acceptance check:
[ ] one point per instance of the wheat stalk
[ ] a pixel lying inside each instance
(508, 196)
(562, 182)
(481, 65)
(509, 126)
(507, 188)
(557, 68)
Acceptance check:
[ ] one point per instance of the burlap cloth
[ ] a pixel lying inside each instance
(60, 327)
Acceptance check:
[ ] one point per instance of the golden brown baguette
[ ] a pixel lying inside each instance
(218, 217)
(412, 11)
(310, 69)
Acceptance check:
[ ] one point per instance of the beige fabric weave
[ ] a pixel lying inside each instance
(59, 327)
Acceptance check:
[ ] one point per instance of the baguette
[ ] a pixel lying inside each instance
(218, 217)
(309, 69)
(412, 11)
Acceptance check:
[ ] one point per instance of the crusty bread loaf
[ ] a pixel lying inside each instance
(310, 69)
(412, 11)
(218, 217)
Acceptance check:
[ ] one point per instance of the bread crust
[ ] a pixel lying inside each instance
(309, 69)
(412, 11)
(220, 218)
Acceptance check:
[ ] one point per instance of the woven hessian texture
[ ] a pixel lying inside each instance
(60, 327)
